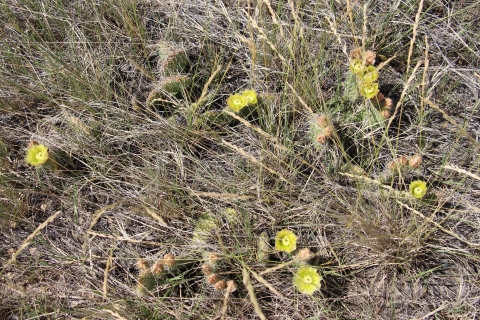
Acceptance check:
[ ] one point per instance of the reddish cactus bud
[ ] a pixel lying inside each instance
(168, 260)
(220, 285)
(213, 278)
(415, 161)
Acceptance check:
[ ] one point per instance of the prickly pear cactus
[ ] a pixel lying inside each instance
(171, 60)
(163, 96)
(150, 277)
(172, 83)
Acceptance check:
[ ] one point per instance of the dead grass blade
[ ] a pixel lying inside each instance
(114, 314)
(97, 234)
(227, 196)
(29, 239)
(404, 92)
(265, 38)
(206, 86)
(414, 34)
(264, 282)
(460, 170)
(423, 84)
(289, 263)
(258, 130)
(453, 234)
(155, 216)
(386, 62)
(432, 313)
(105, 274)
(96, 217)
(251, 293)
(461, 130)
(225, 305)
(255, 161)
(302, 102)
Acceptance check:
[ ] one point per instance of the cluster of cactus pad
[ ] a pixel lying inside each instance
(172, 83)
(362, 81)
(306, 280)
(321, 129)
(209, 270)
(171, 80)
(149, 277)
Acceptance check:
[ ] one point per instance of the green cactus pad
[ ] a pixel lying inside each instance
(146, 282)
(176, 62)
(262, 248)
(204, 228)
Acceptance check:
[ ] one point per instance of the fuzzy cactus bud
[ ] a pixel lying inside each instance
(220, 285)
(415, 161)
(328, 131)
(356, 53)
(369, 58)
(168, 260)
(207, 269)
(142, 264)
(388, 103)
(403, 161)
(321, 138)
(322, 121)
(378, 99)
(231, 286)
(392, 165)
(385, 114)
(213, 278)
(304, 254)
(213, 257)
(157, 268)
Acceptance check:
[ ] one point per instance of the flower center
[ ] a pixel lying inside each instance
(237, 101)
(417, 190)
(307, 279)
(285, 241)
(39, 155)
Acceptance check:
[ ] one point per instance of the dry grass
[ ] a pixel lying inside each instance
(134, 179)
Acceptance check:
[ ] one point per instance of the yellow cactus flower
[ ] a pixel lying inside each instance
(286, 241)
(357, 66)
(37, 154)
(370, 74)
(418, 189)
(307, 280)
(369, 90)
(236, 102)
(250, 96)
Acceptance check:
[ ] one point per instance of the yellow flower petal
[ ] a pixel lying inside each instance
(286, 241)
(418, 188)
(236, 102)
(369, 90)
(357, 66)
(370, 74)
(250, 96)
(307, 280)
(37, 155)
